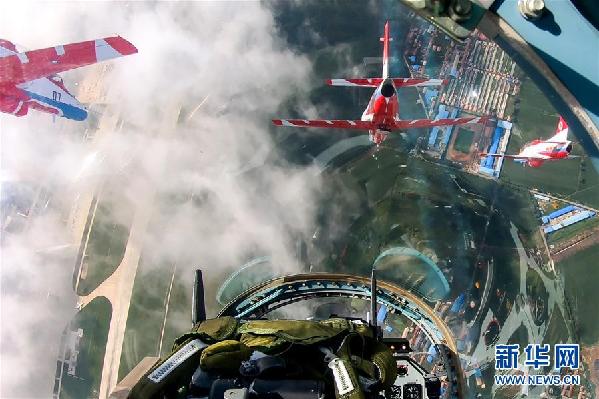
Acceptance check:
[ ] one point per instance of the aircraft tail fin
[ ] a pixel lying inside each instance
(385, 39)
(561, 132)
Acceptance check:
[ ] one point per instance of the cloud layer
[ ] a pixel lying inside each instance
(240, 198)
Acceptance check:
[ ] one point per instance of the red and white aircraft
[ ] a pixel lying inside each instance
(382, 113)
(538, 151)
(29, 80)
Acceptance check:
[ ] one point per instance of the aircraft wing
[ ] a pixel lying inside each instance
(23, 67)
(561, 159)
(359, 82)
(418, 82)
(484, 154)
(374, 82)
(326, 123)
(518, 157)
(418, 123)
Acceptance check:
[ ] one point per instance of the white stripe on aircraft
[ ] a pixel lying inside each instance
(104, 51)
(18, 107)
(23, 58)
(4, 52)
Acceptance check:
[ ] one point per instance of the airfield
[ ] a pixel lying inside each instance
(482, 235)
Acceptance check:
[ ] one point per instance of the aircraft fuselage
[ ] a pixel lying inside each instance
(382, 109)
(539, 151)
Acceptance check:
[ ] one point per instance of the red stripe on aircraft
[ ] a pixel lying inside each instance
(121, 45)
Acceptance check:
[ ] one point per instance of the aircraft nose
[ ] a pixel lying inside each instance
(387, 88)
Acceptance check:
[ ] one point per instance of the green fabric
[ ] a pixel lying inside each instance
(210, 331)
(231, 342)
(148, 389)
(366, 367)
(355, 393)
(382, 357)
(293, 331)
(336, 323)
(225, 356)
(268, 344)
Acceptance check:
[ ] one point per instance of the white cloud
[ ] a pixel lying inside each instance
(230, 52)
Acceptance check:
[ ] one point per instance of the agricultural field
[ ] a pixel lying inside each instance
(144, 334)
(557, 332)
(581, 274)
(94, 320)
(151, 329)
(571, 231)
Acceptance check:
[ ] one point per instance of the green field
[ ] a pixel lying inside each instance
(573, 178)
(570, 231)
(421, 206)
(515, 202)
(463, 141)
(106, 247)
(178, 320)
(557, 332)
(150, 289)
(581, 275)
(536, 291)
(94, 319)
(146, 313)
(520, 336)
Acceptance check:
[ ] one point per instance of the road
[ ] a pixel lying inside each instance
(522, 315)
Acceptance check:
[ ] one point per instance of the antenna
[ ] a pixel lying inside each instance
(373, 298)
(198, 307)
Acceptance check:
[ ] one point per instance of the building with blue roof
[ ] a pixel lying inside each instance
(497, 134)
(558, 213)
(458, 304)
(429, 95)
(431, 353)
(381, 315)
(449, 129)
(491, 165)
(441, 114)
(575, 218)
(432, 138)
